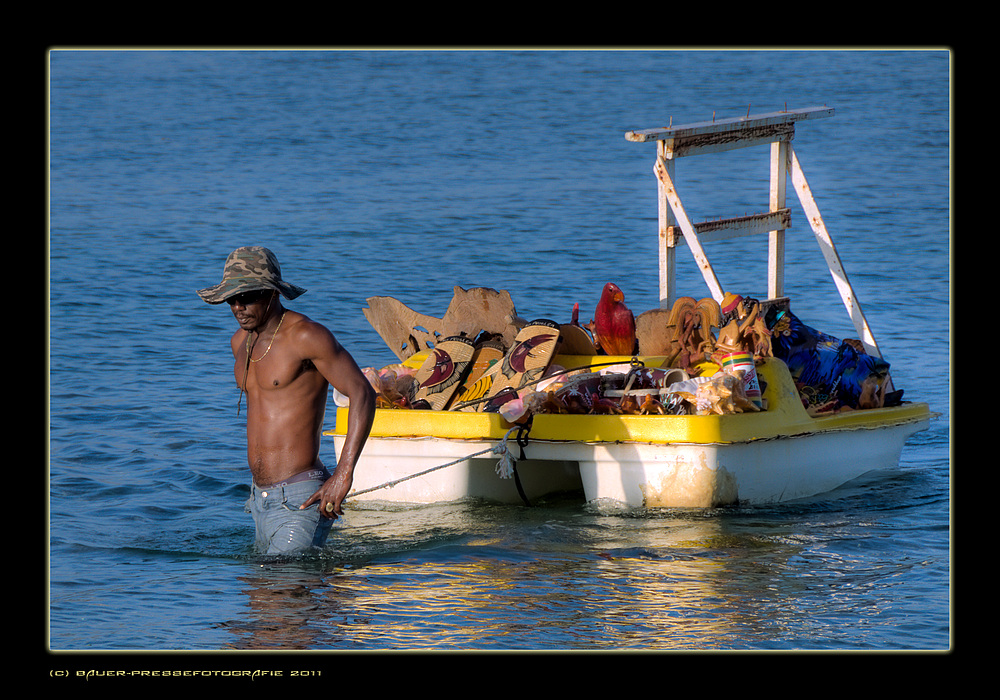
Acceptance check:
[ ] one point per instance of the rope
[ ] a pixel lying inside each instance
(522, 442)
(504, 466)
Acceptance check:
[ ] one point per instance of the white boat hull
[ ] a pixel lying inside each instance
(632, 474)
(386, 460)
(766, 471)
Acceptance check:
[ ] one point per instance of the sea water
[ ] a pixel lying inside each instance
(406, 173)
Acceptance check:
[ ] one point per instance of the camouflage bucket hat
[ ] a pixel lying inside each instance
(249, 269)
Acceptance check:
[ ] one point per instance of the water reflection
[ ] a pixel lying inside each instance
(284, 611)
(475, 576)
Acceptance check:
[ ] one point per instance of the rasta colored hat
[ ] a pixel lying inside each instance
(249, 269)
(730, 302)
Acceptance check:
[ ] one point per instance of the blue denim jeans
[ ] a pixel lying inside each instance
(281, 527)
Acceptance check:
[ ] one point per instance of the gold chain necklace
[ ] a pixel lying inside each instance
(249, 349)
(246, 370)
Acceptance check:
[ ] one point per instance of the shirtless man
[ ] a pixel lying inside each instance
(285, 363)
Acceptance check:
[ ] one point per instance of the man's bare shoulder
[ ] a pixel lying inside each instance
(238, 340)
(302, 323)
(306, 331)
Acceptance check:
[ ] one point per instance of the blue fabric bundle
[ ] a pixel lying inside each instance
(824, 368)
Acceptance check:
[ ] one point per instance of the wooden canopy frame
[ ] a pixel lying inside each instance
(778, 130)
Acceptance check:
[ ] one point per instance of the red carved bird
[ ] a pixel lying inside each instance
(614, 323)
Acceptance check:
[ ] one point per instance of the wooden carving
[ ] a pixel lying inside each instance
(470, 312)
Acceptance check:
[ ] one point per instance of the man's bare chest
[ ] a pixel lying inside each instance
(274, 373)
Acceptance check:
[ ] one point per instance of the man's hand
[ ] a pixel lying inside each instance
(330, 496)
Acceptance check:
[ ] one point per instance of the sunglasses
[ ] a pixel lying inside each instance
(247, 298)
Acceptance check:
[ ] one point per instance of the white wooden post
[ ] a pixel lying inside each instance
(668, 250)
(776, 238)
(831, 255)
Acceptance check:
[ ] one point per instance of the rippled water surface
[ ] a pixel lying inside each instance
(407, 173)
